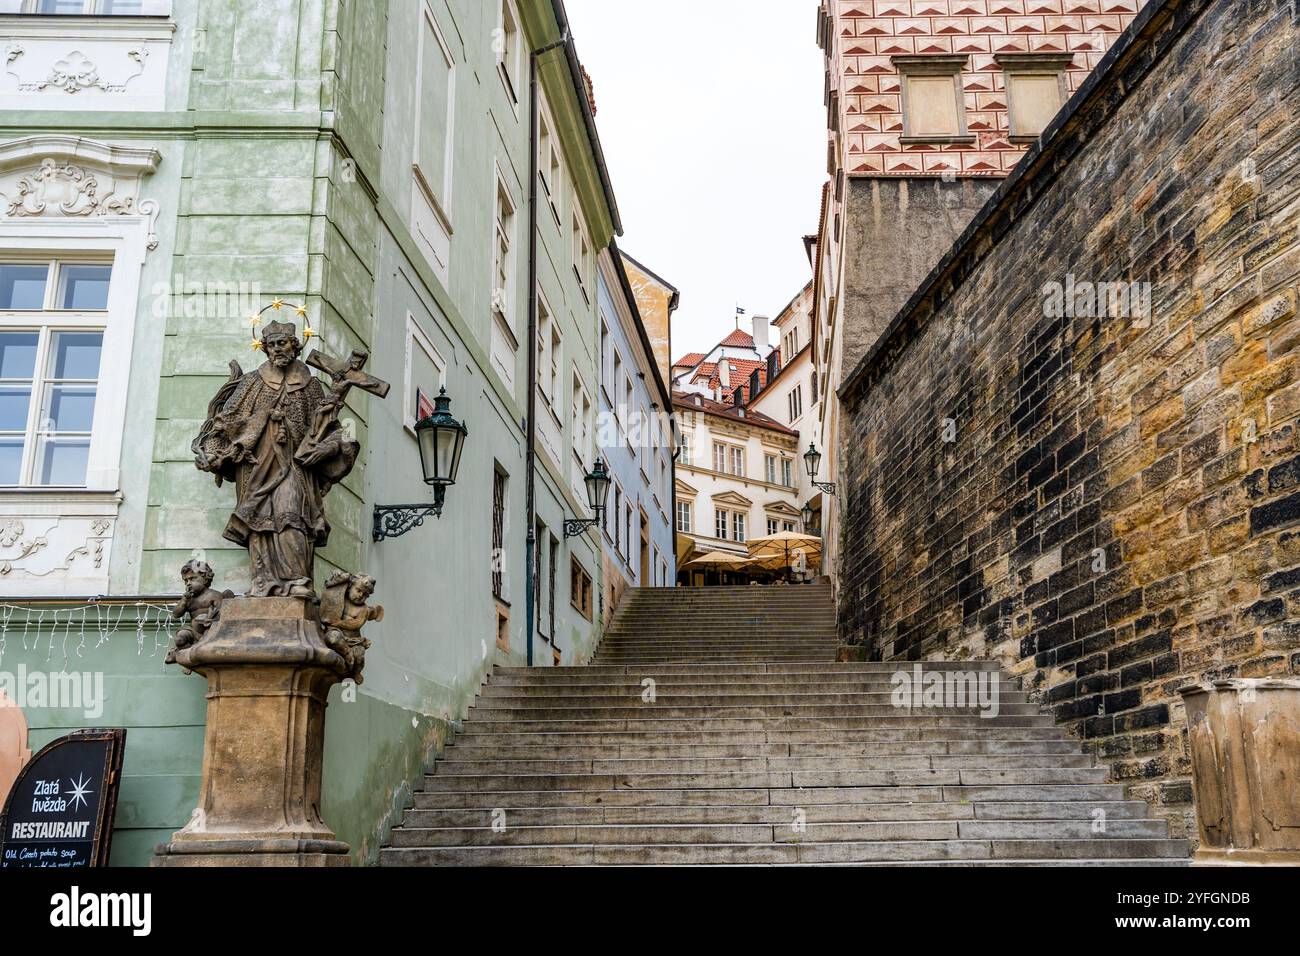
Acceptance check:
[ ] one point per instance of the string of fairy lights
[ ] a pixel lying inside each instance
(74, 631)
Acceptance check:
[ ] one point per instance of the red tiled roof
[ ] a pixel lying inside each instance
(689, 359)
(738, 339)
(699, 403)
(741, 370)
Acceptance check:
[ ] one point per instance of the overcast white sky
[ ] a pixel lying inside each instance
(712, 119)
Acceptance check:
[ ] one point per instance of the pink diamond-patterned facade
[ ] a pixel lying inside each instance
(865, 82)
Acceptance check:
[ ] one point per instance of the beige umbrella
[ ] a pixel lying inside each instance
(685, 548)
(721, 561)
(774, 551)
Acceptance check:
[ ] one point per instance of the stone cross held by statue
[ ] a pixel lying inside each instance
(344, 374)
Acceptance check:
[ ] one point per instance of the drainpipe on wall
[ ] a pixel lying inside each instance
(530, 476)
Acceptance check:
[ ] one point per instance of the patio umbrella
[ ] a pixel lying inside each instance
(775, 550)
(720, 561)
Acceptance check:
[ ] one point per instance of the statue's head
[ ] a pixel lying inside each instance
(280, 340)
(360, 589)
(197, 575)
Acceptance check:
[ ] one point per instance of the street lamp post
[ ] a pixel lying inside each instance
(812, 460)
(597, 482)
(441, 440)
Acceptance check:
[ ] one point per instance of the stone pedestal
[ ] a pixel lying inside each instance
(1244, 737)
(268, 672)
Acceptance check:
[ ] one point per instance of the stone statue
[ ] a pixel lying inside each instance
(275, 433)
(271, 656)
(201, 602)
(343, 612)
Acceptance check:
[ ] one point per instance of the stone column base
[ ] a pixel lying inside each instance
(281, 853)
(269, 672)
(1212, 856)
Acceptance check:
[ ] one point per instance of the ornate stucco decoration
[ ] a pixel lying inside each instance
(74, 71)
(56, 175)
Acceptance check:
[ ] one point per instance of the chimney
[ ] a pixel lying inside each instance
(760, 336)
(724, 372)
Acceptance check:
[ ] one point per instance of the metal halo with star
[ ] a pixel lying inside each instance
(299, 311)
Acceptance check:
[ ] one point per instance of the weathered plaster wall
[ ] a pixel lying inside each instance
(1116, 513)
(896, 230)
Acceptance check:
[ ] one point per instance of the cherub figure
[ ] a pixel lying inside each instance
(200, 601)
(343, 612)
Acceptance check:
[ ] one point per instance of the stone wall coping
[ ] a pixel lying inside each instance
(1144, 44)
(1241, 683)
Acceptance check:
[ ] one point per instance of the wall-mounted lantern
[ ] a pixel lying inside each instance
(441, 440)
(597, 483)
(812, 459)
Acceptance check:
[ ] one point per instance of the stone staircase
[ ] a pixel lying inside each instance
(714, 727)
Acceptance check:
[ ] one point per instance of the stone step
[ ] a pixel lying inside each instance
(755, 764)
(488, 709)
(775, 815)
(740, 779)
(758, 667)
(501, 736)
(720, 657)
(507, 834)
(1105, 794)
(793, 853)
(458, 753)
(666, 640)
(490, 724)
(739, 696)
(705, 683)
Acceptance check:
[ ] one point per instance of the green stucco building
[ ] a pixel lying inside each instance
(169, 168)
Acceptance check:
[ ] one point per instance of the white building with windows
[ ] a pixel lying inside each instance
(791, 396)
(737, 475)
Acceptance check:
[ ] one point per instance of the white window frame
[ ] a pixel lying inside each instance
(94, 8)
(550, 161)
(124, 241)
(582, 407)
(685, 507)
(548, 356)
(511, 73)
(437, 195)
(581, 254)
(503, 300)
(417, 338)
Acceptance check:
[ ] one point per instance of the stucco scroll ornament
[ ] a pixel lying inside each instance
(75, 72)
(75, 192)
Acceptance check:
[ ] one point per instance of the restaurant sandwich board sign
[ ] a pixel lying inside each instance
(59, 812)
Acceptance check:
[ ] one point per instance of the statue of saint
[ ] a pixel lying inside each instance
(275, 433)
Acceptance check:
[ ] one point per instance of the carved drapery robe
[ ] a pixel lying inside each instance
(280, 511)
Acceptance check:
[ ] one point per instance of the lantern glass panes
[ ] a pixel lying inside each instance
(442, 439)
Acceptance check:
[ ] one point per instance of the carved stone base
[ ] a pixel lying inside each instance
(269, 673)
(1244, 735)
